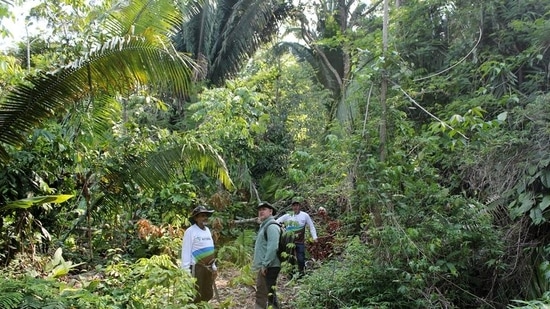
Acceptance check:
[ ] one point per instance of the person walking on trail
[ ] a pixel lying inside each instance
(198, 254)
(296, 222)
(266, 262)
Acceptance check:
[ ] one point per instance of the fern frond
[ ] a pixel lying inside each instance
(9, 300)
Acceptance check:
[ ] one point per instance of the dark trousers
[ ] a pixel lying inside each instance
(204, 283)
(301, 257)
(265, 288)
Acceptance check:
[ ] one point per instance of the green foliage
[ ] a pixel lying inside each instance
(346, 282)
(238, 120)
(232, 118)
(247, 277)
(158, 283)
(522, 146)
(441, 253)
(234, 115)
(531, 304)
(58, 267)
(11, 73)
(29, 202)
(223, 34)
(540, 282)
(11, 295)
(27, 292)
(90, 72)
(165, 204)
(329, 161)
(90, 150)
(425, 246)
(149, 283)
(441, 223)
(155, 240)
(239, 251)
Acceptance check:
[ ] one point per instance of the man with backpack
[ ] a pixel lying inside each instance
(296, 223)
(266, 262)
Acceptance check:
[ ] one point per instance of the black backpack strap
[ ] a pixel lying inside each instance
(265, 230)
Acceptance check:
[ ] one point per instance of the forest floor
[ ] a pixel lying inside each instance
(241, 296)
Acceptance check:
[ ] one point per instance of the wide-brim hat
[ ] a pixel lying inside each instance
(201, 210)
(268, 205)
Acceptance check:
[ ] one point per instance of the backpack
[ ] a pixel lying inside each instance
(285, 250)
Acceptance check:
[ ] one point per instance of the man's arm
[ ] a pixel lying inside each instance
(311, 226)
(186, 250)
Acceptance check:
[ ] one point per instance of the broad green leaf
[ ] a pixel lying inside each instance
(545, 202)
(526, 203)
(452, 269)
(536, 215)
(532, 170)
(502, 116)
(545, 178)
(58, 257)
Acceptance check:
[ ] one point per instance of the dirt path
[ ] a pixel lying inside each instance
(241, 296)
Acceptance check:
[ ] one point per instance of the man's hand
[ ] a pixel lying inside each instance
(214, 274)
(263, 271)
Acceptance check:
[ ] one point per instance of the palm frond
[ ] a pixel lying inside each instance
(199, 29)
(99, 119)
(139, 17)
(251, 23)
(226, 32)
(205, 158)
(118, 66)
(161, 166)
(96, 116)
(199, 33)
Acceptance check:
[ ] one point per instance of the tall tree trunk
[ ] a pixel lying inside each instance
(384, 87)
(376, 209)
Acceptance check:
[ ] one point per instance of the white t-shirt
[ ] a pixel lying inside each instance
(298, 222)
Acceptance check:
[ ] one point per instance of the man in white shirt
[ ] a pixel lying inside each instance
(296, 222)
(198, 253)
